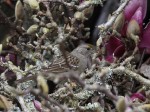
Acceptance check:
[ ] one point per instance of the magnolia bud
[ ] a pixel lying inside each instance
(43, 84)
(34, 5)
(99, 41)
(79, 16)
(133, 28)
(45, 30)
(145, 107)
(32, 29)
(119, 22)
(88, 12)
(19, 11)
(120, 105)
(35, 19)
(1, 47)
(49, 25)
(2, 105)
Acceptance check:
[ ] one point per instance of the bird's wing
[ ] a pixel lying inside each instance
(60, 65)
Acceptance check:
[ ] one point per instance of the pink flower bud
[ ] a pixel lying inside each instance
(37, 105)
(133, 5)
(131, 8)
(138, 17)
(145, 41)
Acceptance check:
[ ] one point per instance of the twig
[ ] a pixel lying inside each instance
(113, 18)
(131, 74)
(103, 90)
(36, 92)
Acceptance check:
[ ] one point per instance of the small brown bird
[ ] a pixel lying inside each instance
(79, 59)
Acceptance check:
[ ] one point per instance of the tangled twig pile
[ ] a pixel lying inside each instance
(46, 47)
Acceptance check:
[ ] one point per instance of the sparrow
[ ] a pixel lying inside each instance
(78, 60)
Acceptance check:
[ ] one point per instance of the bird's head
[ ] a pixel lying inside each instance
(86, 49)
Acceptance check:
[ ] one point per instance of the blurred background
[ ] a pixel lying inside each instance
(100, 16)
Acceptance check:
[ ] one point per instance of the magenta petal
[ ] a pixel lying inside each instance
(133, 6)
(145, 40)
(138, 17)
(110, 59)
(138, 96)
(130, 9)
(148, 51)
(119, 51)
(112, 44)
(143, 4)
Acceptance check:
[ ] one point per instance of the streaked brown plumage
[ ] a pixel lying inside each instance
(79, 59)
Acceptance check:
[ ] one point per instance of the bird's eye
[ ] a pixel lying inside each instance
(88, 48)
